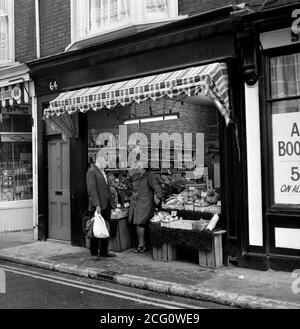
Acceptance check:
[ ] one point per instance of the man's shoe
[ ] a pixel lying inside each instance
(109, 255)
(95, 258)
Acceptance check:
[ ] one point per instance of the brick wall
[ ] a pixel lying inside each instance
(55, 22)
(25, 41)
(192, 7)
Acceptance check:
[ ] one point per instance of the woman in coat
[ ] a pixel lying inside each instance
(145, 190)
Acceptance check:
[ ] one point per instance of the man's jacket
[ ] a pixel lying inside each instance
(98, 190)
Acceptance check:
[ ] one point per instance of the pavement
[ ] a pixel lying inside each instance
(233, 286)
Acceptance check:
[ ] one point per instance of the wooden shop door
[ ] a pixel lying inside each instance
(59, 212)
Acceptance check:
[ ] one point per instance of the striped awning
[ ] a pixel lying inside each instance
(14, 95)
(210, 80)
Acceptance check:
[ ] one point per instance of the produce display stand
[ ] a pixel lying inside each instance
(122, 240)
(208, 257)
(214, 258)
(166, 253)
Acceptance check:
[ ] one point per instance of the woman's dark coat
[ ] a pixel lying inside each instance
(142, 205)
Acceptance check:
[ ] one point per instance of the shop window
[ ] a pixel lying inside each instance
(15, 157)
(285, 111)
(101, 16)
(6, 31)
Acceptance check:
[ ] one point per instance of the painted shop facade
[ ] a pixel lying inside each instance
(230, 77)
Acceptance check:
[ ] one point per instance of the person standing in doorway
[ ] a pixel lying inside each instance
(100, 200)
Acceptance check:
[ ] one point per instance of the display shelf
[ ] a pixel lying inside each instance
(15, 182)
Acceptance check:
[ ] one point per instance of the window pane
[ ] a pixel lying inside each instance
(285, 82)
(106, 13)
(5, 123)
(22, 123)
(3, 7)
(286, 106)
(3, 38)
(156, 8)
(285, 76)
(15, 171)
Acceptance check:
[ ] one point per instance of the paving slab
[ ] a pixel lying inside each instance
(228, 285)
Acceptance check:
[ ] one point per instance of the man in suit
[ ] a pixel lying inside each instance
(100, 200)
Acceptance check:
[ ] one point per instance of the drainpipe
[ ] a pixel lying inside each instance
(35, 127)
(37, 28)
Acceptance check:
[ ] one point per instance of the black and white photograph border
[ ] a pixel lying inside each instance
(149, 158)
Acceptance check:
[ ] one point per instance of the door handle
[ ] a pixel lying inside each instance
(58, 193)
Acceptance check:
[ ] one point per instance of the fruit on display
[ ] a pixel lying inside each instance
(171, 184)
(120, 183)
(212, 197)
(173, 203)
(194, 199)
(164, 217)
(189, 206)
(116, 212)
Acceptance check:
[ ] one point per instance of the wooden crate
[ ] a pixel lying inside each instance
(157, 253)
(169, 252)
(213, 259)
(166, 253)
(123, 239)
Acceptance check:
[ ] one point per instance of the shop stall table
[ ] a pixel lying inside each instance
(122, 238)
(166, 242)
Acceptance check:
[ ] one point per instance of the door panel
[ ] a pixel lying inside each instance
(59, 189)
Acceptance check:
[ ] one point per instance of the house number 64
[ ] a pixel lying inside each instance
(53, 85)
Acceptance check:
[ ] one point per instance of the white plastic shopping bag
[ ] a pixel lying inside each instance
(99, 228)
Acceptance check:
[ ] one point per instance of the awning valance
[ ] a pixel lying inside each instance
(14, 95)
(210, 80)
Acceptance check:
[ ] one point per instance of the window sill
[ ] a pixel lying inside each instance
(16, 204)
(119, 32)
(6, 64)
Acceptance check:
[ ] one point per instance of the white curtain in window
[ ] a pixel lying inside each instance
(285, 76)
(4, 55)
(81, 21)
(156, 7)
(106, 13)
(95, 14)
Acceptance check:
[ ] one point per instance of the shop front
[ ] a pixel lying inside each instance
(164, 101)
(271, 42)
(16, 175)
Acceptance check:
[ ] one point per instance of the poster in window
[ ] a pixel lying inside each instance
(286, 155)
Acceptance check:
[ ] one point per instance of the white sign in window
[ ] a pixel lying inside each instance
(286, 157)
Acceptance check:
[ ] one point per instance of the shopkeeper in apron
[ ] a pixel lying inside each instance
(146, 193)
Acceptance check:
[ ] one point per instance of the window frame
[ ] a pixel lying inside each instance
(11, 34)
(267, 126)
(137, 17)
